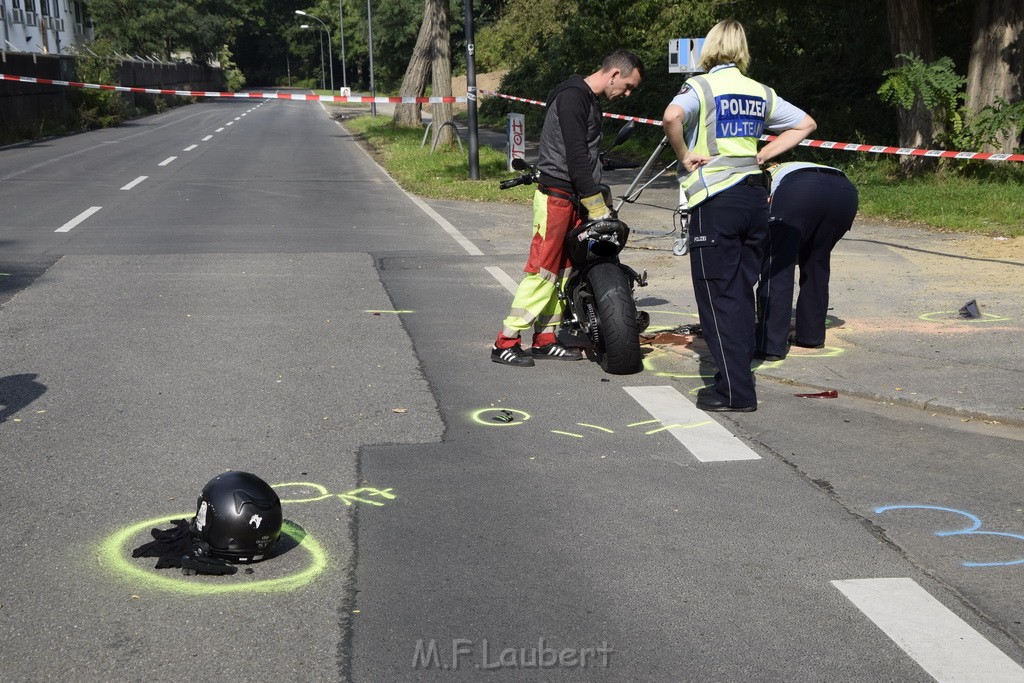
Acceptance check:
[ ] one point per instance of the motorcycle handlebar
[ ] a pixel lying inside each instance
(521, 180)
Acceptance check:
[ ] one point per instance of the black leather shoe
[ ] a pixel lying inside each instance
(712, 405)
(794, 342)
(769, 356)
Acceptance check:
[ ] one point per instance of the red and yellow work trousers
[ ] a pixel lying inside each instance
(536, 305)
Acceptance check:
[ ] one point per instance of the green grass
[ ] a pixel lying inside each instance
(943, 200)
(989, 201)
(442, 174)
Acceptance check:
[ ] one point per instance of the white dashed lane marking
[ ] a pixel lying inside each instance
(135, 182)
(78, 219)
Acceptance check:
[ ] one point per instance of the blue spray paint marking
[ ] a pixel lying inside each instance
(969, 531)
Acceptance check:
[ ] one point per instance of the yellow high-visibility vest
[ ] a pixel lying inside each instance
(733, 112)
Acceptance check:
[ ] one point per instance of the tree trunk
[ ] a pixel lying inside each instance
(997, 60)
(910, 32)
(441, 71)
(414, 83)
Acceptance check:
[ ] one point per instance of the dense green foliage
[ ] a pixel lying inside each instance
(804, 50)
(167, 27)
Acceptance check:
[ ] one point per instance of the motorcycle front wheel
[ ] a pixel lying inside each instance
(618, 347)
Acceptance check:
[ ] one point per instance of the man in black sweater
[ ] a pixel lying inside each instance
(568, 193)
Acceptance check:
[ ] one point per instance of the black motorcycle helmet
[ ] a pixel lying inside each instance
(239, 516)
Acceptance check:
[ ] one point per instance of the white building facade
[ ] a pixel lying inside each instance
(44, 26)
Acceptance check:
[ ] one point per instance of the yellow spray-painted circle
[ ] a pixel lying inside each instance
(477, 416)
(664, 327)
(114, 552)
(985, 317)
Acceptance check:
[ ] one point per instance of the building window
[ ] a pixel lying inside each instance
(30, 6)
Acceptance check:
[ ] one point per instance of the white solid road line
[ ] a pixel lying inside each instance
(189, 148)
(503, 278)
(707, 440)
(167, 161)
(208, 137)
(940, 642)
(470, 248)
(135, 182)
(78, 219)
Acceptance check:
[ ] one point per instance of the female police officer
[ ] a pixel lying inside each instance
(713, 125)
(812, 207)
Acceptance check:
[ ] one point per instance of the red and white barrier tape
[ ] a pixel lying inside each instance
(824, 144)
(238, 95)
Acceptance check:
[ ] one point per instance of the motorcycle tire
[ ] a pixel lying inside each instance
(619, 347)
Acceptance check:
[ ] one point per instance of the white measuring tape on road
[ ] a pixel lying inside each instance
(824, 144)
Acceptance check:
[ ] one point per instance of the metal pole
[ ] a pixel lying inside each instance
(369, 40)
(474, 149)
(330, 56)
(323, 74)
(341, 24)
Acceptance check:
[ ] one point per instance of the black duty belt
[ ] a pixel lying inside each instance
(761, 179)
(826, 171)
(557, 192)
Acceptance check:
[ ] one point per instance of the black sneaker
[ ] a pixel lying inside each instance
(557, 351)
(513, 355)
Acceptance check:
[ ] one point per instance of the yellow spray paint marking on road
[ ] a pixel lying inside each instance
(501, 417)
(674, 426)
(555, 431)
(666, 327)
(115, 553)
(353, 496)
(597, 427)
(985, 317)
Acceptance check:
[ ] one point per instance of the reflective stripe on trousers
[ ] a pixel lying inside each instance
(536, 305)
(728, 234)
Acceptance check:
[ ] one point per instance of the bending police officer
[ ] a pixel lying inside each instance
(714, 125)
(567, 193)
(812, 207)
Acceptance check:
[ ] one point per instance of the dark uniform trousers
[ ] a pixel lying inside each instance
(728, 234)
(810, 212)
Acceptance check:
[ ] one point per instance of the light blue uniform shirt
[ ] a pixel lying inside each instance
(783, 117)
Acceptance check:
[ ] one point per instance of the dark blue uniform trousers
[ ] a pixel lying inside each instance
(810, 212)
(728, 234)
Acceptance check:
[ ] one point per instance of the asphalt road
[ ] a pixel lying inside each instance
(268, 300)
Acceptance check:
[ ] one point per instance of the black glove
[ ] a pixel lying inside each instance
(174, 548)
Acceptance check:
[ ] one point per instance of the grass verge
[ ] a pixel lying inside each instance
(441, 174)
(944, 199)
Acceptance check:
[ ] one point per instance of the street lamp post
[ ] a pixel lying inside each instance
(341, 26)
(330, 55)
(369, 40)
(320, 35)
